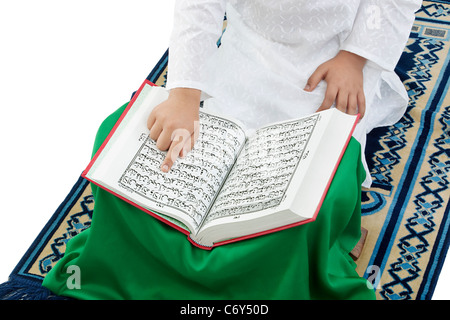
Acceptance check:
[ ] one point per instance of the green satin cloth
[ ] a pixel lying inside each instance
(127, 254)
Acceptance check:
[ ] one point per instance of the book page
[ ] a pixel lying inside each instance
(192, 183)
(262, 173)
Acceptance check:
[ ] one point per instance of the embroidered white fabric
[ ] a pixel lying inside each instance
(271, 47)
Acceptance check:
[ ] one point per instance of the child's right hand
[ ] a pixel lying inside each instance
(174, 124)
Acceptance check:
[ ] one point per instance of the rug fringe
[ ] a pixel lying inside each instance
(17, 290)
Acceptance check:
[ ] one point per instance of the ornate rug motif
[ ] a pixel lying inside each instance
(405, 211)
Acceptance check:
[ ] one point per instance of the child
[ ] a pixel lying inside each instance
(273, 57)
(272, 50)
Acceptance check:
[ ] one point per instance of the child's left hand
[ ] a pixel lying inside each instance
(344, 77)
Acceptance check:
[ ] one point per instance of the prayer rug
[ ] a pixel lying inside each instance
(405, 211)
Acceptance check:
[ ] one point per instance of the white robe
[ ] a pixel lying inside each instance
(271, 47)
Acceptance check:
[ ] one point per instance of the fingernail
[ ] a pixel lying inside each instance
(307, 87)
(165, 168)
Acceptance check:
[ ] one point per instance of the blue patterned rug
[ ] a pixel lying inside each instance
(405, 212)
(406, 209)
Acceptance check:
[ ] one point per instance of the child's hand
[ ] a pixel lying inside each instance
(344, 77)
(174, 124)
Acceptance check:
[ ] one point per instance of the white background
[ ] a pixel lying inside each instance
(65, 66)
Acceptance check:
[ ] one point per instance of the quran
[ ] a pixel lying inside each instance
(234, 184)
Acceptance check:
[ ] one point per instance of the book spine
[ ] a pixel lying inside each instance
(198, 245)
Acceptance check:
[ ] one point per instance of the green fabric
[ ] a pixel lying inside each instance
(127, 254)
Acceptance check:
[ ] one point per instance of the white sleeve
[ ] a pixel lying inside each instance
(196, 30)
(381, 30)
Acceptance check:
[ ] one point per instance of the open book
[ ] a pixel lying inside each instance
(230, 186)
